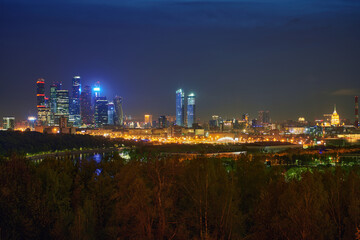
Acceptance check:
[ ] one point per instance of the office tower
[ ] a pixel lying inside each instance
(86, 112)
(74, 115)
(191, 117)
(356, 112)
(111, 113)
(40, 103)
(9, 123)
(245, 118)
(118, 111)
(180, 109)
(335, 118)
(162, 122)
(52, 101)
(62, 105)
(101, 111)
(148, 120)
(31, 122)
(263, 118)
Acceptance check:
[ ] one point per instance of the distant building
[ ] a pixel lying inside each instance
(180, 109)
(74, 114)
(148, 120)
(40, 102)
(101, 111)
(263, 118)
(9, 123)
(119, 115)
(335, 119)
(191, 117)
(162, 122)
(86, 112)
(62, 105)
(53, 98)
(111, 113)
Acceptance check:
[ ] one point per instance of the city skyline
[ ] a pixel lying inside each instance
(297, 61)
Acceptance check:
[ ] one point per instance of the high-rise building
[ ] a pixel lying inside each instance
(335, 119)
(86, 112)
(40, 102)
(9, 123)
(52, 101)
(74, 115)
(162, 122)
(101, 111)
(356, 124)
(119, 117)
(180, 108)
(263, 118)
(62, 105)
(111, 113)
(191, 117)
(148, 120)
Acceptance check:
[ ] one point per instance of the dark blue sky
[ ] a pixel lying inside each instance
(294, 58)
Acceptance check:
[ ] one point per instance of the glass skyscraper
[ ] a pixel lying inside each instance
(62, 105)
(119, 116)
(111, 112)
(75, 102)
(180, 110)
(191, 110)
(85, 106)
(101, 111)
(53, 98)
(40, 101)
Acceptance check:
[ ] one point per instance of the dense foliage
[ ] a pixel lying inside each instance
(158, 198)
(34, 142)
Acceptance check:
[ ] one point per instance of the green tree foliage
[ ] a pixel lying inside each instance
(157, 197)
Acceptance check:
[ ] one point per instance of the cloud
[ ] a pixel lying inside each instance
(345, 92)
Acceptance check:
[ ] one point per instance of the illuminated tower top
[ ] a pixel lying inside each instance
(335, 119)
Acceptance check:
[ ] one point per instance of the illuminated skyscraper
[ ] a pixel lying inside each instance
(335, 119)
(9, 123)
(40, 101)
(263, 118)
(52, 101)
(148, 120)
(86, 112)
(191, 117)
(75, 102)
(162, 122)
(119, 117)
(180, 108)
(111, 113)
(101, 111)
(62, 105)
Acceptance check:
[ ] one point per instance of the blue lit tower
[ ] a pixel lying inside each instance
(75, 102)
(101, 111)
(119, 116)
(86, 112)
(191, 118)
(111, 112)
(180, 110)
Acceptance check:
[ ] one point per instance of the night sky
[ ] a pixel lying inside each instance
(294, 58)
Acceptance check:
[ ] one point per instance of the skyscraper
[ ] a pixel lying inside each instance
(62, 105)
(263, 118)
(111, 113)
(180, 109)
(119, 117)
(53, 98)
(86, 112)
(191, 117)
(335, 119)
(9, 123)
(74, 117)
(162, 122)
(101, 111)
(40, 101)
(148, 120)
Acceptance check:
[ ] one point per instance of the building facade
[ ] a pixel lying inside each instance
(191, 117)
(119, 116)
(101, 111)
(74, 114)
(86, 113)
(180, 108)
